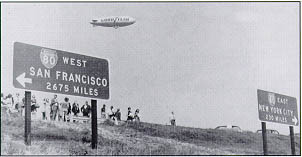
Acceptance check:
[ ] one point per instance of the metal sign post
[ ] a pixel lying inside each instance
(292, 140)
(264, 138)
(27, 105)
(94, 125)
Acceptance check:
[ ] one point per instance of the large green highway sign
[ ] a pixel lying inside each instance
(49, 70)
(277, 108)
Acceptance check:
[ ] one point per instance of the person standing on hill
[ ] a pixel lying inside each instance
(129, 115)
(75, 108)
(111, 113)
(65, 106)
(34, 104)
(103, 112)
(54, 107)
(9, 101)
(85, 109)
(3, 102)
(69, 113)
(18, 103)
(23, 107)
(172, 119)
(44, 108)
(47, 109)
(2, 99)
(136, 115)
(118, 114)
(60, 112)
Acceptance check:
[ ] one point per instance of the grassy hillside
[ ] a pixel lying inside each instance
(54, 138)
(235, 142)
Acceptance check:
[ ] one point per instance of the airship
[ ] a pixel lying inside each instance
(113, 21)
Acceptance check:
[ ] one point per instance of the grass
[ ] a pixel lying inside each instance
(49, 138)
(240, 143)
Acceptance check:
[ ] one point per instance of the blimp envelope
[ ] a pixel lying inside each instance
(113, 21)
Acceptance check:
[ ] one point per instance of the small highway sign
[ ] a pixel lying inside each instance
(49, 70)
(277, 108)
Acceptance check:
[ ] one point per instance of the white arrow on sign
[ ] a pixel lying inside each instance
(22, 80)
(295, 120)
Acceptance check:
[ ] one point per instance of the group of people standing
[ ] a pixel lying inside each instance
(64, 110)
(133, 117)
(53, 110)
(16, 104)
(50, 109)
(116, 114)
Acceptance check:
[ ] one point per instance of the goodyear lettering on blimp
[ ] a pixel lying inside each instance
(125, 19)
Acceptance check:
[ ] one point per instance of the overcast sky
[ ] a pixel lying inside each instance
(204, 61)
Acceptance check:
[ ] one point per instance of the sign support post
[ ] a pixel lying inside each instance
(94, 127)
(264, 137)
(292, 140)
(27, 105)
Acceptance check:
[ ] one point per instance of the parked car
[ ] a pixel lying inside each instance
(269, 131)
(297, 134)
(229, 127)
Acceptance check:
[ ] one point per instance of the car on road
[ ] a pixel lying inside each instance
(269, 131)
(229, 127)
